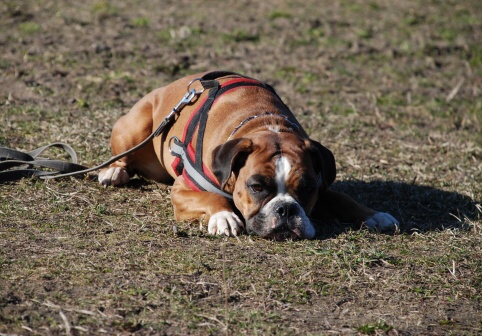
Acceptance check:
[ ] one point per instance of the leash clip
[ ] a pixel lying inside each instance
(187, 99)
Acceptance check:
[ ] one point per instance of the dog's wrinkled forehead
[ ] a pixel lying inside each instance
(280, 157)
(278, 162)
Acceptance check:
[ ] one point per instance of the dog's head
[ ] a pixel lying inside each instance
(275, 179)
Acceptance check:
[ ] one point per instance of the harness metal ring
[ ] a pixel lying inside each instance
(174, 138)
(193, 81)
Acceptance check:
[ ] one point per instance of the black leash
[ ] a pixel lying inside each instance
(23, 163)
(10, 158)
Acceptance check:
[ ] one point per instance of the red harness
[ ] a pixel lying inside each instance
(196, 174)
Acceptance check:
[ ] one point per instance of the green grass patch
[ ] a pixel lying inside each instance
(279, 14)
(29, 28)
(140, 22)
(104, 8)
(373, 329)
(240, 35)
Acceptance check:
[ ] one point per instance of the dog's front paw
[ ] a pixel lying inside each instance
(382, 221)
(114, 176)
(225, 222)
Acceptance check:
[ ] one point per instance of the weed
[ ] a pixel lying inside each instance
(140, 22)
(365, 33)
(82, 103)
(104, 8)
(100, 209)
(279, 14)
(240, 35)
(29, 28)
(372, 329)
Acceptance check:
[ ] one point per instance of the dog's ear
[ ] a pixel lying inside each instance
(324, 163)
(230, 157)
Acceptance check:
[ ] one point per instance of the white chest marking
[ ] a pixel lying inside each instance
(274, 128)
(283, 168)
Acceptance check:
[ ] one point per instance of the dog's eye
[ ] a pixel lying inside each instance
(256, 188)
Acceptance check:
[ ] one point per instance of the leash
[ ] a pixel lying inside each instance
(23, 162)
(191, 167)
(187, 99)
(15, 164)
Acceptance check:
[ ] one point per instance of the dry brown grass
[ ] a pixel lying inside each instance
(392, 88)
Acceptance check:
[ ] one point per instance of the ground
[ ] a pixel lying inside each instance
(393, 88)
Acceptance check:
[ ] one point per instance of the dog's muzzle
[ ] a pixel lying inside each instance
(282, 219)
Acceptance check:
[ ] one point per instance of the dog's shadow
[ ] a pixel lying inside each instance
(417, 208)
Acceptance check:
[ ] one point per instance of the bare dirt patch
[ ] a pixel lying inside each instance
(392, 88)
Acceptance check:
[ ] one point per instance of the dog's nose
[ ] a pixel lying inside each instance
(285, 210)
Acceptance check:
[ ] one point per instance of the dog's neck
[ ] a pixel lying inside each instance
(268, 121)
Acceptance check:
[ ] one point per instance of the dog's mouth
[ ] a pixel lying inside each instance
(281, 218)
(284, 233)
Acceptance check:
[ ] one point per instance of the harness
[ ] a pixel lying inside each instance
(188, 162)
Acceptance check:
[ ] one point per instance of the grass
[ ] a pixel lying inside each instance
(377, 84)
(239, 35)
(140, 22)
(372, 329)
(29, 28)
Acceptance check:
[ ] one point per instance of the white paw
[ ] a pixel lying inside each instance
(114, 176)
(382, 221)
(225, 223)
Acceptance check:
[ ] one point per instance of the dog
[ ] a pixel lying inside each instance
(236, 157)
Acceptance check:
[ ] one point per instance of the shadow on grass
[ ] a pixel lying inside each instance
(418, 208)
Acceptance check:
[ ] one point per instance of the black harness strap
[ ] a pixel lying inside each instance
(204, 112)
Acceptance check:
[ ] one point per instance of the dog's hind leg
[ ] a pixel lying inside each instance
(129, 131)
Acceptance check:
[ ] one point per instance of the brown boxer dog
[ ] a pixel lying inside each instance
(237, 157)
